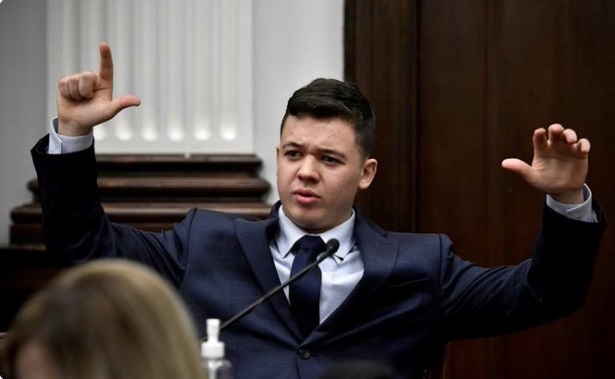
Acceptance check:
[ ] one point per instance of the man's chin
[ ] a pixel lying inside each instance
(310, 225)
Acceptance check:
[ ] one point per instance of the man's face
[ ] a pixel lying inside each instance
(319, 171)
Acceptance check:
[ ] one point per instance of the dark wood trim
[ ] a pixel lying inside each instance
(380, 55)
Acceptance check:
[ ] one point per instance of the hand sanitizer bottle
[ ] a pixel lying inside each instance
(212, 353)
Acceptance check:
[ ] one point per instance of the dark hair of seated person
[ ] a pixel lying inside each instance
(106, 319)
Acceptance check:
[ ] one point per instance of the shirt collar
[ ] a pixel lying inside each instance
(289, 233)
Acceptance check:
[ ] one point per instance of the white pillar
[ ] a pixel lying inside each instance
(189, 61)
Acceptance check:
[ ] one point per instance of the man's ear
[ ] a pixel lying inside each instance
(368, 173)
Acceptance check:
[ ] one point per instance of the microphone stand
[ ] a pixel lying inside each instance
(332, 246)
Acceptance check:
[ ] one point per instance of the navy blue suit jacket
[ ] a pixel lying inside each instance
(415, 294)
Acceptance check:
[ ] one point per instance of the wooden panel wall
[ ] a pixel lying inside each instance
(457, 86)
(387, 30)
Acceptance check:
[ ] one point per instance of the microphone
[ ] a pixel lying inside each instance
(331, 247)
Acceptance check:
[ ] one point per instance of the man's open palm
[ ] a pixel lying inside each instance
(559, 166)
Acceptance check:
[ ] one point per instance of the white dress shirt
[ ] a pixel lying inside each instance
(340, 272)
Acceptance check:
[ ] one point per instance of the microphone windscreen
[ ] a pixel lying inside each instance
(332, 245)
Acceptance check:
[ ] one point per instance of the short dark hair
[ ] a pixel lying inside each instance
(331, 98)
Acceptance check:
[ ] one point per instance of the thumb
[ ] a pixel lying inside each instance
(516, 165)
(123, 102)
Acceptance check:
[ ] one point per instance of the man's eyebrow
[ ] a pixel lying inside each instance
(291, 144)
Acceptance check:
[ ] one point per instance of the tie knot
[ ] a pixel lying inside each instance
(310, 244)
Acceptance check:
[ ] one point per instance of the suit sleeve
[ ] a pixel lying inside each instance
(75, 227)
(482, 302)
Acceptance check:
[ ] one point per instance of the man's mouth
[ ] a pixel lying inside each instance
(306, 197)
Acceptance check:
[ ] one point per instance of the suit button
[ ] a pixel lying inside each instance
(304, 353)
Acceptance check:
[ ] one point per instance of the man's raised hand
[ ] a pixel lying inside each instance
(559, 167)
(85, 100)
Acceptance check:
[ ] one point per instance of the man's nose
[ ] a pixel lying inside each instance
(308, 169)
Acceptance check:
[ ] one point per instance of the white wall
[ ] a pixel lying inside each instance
(22, 99)
(295, 41)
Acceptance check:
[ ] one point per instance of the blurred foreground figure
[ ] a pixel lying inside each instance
(108, 319)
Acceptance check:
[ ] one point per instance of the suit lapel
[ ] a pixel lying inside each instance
(254, 238)
(379, 255)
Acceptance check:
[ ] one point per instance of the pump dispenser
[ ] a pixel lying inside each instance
(212, 353)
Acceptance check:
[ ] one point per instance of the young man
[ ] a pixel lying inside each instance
(391, 297)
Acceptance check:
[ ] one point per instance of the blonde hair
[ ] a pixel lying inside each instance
(109, 319)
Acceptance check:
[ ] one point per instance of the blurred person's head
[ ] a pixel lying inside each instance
(104, 320)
